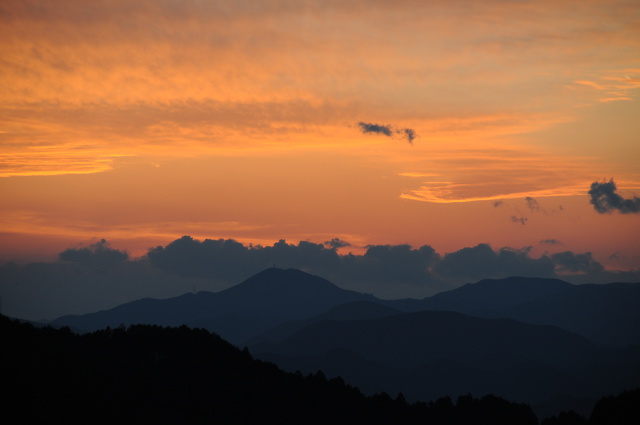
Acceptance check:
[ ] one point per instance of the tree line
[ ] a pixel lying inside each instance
(162, 375)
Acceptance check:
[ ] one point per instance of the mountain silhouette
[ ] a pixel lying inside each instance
(413, 339)
(263, 301)
(608, 314)
(355, 310)
(433, 353)
(522, 338)
(493, 295)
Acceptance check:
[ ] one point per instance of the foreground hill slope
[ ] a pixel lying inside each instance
(433, 353)
(151, 374)
(412, 339)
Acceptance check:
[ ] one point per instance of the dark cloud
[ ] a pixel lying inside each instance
(568, 262)
(521, 220)
(366, 127)
(532, 204)
(97, 254)
(551, 242)
(605, 199)
(396, 264)
(497, 204)
(409, 134)
(482, 262)
(387, 130)
(336, 243)
(382, 268)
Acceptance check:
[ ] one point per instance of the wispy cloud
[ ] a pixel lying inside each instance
(551, 242)
(615, 86)
(532, 204)
(520, 220)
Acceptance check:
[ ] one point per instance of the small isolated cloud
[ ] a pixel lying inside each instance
(605, 199)
(551, 242)
(521, 220)
(409, 134)
(336, 243)
(366, 127)
(532, 204)
(497, 204)
(387, 130)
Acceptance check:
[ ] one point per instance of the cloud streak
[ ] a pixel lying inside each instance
(605, 199)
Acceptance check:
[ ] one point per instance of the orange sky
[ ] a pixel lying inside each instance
(142, 121)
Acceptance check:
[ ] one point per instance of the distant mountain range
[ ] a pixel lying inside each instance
(265, 300)
(525, 339)
(607, 314)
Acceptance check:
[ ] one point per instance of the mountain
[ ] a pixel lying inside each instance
(434, 353)
(608, 314)
(356, 310)
(265, 300)
(152, 374)
(493, 295)
(414, 339)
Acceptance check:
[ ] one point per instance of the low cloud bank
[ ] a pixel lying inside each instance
(388, 271)
(99, 277)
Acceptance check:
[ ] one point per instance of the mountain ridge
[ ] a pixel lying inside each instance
(266, 299)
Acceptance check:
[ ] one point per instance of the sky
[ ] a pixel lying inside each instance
(452, 124)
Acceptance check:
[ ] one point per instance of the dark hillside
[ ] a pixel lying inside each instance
(152, 374)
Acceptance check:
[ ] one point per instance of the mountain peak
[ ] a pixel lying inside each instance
(290, 281)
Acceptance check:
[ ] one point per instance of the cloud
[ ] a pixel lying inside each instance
(336, 243)
(605, 199)
(97, 254)
(521, 220)
(409, 134)
(532, 204)
(482, 262)
(375, 128)
(568, 262)
(387, 130)
(497, 204)
(551, 242)
(383, 269)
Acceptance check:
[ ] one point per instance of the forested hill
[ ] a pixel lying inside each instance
(159, 375)
(151, 374)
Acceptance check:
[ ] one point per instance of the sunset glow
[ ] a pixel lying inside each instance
(143, 121)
